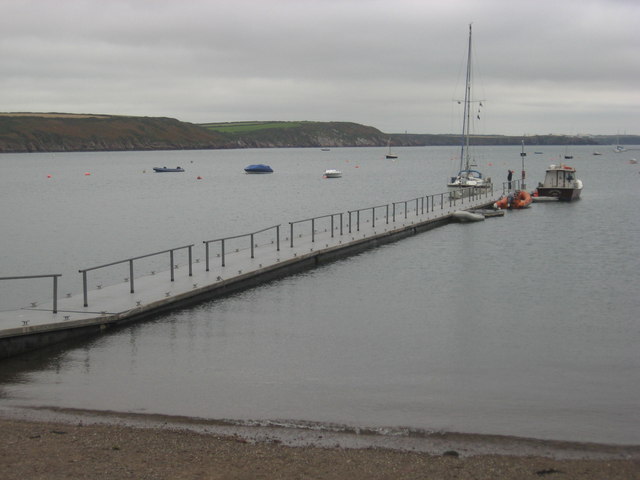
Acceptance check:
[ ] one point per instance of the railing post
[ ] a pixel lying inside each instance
(332, 225)
(387, 214)
(277, 238)
(206, 255)
(251, 245)
(417, 207)
(373, 217)
(131, 276)
(405, 209)
(358, 220)
(190, 262)
(340, 223)
(222, 250)
(55, 294)
(84, 288)
(394, 212)
(349, 221)
(171, 260)
(313, 230)
(291, 223)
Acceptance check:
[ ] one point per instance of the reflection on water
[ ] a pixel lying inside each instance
(523, 325)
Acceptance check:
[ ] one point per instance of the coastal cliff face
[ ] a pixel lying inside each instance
(71, 133)
(61, 132)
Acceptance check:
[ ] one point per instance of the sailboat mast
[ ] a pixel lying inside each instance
(464, 153)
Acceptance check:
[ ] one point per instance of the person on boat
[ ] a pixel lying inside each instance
(509, 177)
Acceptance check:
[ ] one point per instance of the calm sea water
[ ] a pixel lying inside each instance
(523, 325)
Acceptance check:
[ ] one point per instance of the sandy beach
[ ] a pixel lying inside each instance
(153, 447)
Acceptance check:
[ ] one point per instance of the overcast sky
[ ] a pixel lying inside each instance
(541, 66)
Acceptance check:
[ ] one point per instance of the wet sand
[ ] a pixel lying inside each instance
(102, 445)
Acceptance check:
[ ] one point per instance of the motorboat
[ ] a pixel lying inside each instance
(468, 180)
(332, 173)
(560, 182)
(168, 169)
(514, 200)
(258, 168)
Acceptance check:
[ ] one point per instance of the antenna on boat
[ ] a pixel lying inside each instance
(522, 155)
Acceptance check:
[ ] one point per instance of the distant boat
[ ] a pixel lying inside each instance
(617, 148)
(258, 168)
(167, 169)
(597, 153)
(332, 173)
(567, 155)
(389, 154)
(325, 149)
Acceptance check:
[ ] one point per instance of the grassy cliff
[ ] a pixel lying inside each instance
(69, 133)
(60, 132)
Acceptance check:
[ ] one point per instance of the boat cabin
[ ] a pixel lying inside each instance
(560, 176)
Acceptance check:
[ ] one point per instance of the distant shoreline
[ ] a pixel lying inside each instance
(25, 132)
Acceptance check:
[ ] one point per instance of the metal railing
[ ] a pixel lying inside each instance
(130, 261)
(313, 225)
(252, 245)
(511, 186)
(55, 285)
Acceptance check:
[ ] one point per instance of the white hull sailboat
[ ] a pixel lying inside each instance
(467, 179)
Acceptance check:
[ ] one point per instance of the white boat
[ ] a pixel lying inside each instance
(617, 148)
(389, 154)
(560, 182)
(467, 179)
(465, 216)
(332, 173)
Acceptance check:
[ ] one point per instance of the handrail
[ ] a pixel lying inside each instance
(55, 285)
(130, 261)
(222, 240)
(313, 225)
(373, 215)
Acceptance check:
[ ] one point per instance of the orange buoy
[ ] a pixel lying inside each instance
(87, 174)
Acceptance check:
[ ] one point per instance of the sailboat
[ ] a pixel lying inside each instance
(467, 179)
(389, 154)
(617, 148)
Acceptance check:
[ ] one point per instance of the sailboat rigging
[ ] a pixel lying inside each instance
(467, 178)
(390, 154)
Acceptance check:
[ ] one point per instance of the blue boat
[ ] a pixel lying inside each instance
(259, 168)
(167, 169)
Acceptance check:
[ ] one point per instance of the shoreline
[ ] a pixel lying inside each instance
(68, 443)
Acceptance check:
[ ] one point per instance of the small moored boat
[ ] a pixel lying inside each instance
(332, 173)
(514, 200)
(167, 169)
(560, 181)
(465, 216)
(258, 168)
